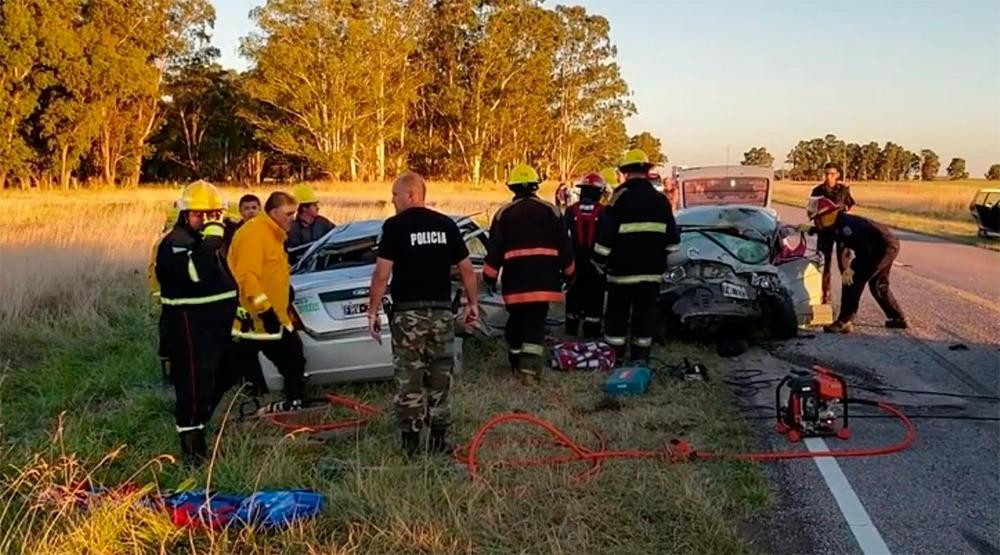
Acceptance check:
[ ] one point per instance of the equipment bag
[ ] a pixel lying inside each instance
(590, 356)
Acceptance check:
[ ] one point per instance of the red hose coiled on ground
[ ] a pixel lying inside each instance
(674, 452)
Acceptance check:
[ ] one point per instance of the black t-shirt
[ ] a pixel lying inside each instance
(423, 245)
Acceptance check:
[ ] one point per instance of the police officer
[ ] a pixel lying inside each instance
(585, 298)
(840, 193)
(875, 249)
(418, 249)
(636, 231)
(529, 243)
(198, 296)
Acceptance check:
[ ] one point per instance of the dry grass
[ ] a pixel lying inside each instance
(938, 199)
(59, 251)
(77, 335)
(938, 208)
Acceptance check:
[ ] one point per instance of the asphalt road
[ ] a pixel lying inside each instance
(943, 494)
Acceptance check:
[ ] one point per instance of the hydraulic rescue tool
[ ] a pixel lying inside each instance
(811, 404)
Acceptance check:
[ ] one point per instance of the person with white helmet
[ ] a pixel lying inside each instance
(199, 298)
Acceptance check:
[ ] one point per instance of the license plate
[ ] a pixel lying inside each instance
(734, 291)
(355, 309)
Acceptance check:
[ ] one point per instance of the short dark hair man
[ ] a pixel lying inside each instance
(839, 192)
(418, 248)
(249, 207)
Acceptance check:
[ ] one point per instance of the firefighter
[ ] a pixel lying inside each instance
(528, 241)
(839, 192)
(585, 298)
(199, 298)
(636, 231)
(875, 249)
(263, 322)
(308, 225)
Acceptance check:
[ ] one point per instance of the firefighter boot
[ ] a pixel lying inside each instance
(439, 444)
(591, 328)
(572, 325)
(514, 359)
(839, 327)
(411, 443)
(530, 372)
(193, 448)
(640, 356)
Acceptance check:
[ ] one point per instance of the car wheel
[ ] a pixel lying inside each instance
(784, 323)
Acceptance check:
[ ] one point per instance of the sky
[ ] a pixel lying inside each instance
(713, 78)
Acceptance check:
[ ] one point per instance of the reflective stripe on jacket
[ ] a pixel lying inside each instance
(635, 233)
(529, 243)
(190, 269)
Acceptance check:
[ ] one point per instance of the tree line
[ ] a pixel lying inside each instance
(118, 91)
(862, 162)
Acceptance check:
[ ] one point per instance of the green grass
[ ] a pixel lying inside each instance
(101, 371)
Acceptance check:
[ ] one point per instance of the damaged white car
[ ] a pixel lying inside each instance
(735, 275)
(331, 285)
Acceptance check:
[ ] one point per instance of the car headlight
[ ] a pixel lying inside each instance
(675, 274)
(764, 281)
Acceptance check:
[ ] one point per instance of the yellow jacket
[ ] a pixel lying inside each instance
(259, 263)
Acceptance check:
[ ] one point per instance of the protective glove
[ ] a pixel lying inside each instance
(270, 320)
(847, 278)
(213, 228)
(246, 320)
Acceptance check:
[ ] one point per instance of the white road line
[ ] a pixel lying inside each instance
(865, 532)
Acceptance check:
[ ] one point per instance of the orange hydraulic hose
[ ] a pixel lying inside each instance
(675, 451)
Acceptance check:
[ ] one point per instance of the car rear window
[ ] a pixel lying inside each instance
(729, 190)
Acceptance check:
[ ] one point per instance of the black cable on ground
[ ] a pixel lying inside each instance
(879, 389)
(911, 416)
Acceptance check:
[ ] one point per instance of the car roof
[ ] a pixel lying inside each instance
(356, 231)
(724, 171)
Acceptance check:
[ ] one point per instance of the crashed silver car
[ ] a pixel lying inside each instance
(735, 275)
(331, 285)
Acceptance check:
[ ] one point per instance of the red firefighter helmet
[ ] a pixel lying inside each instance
(593, 179)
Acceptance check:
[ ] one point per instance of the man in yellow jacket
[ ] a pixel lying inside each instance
(263, 323)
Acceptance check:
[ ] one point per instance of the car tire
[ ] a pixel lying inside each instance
(783, 320)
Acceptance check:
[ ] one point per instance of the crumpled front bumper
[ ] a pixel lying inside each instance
(700, 307)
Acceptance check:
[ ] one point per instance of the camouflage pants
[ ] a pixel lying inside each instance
(420, 341)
